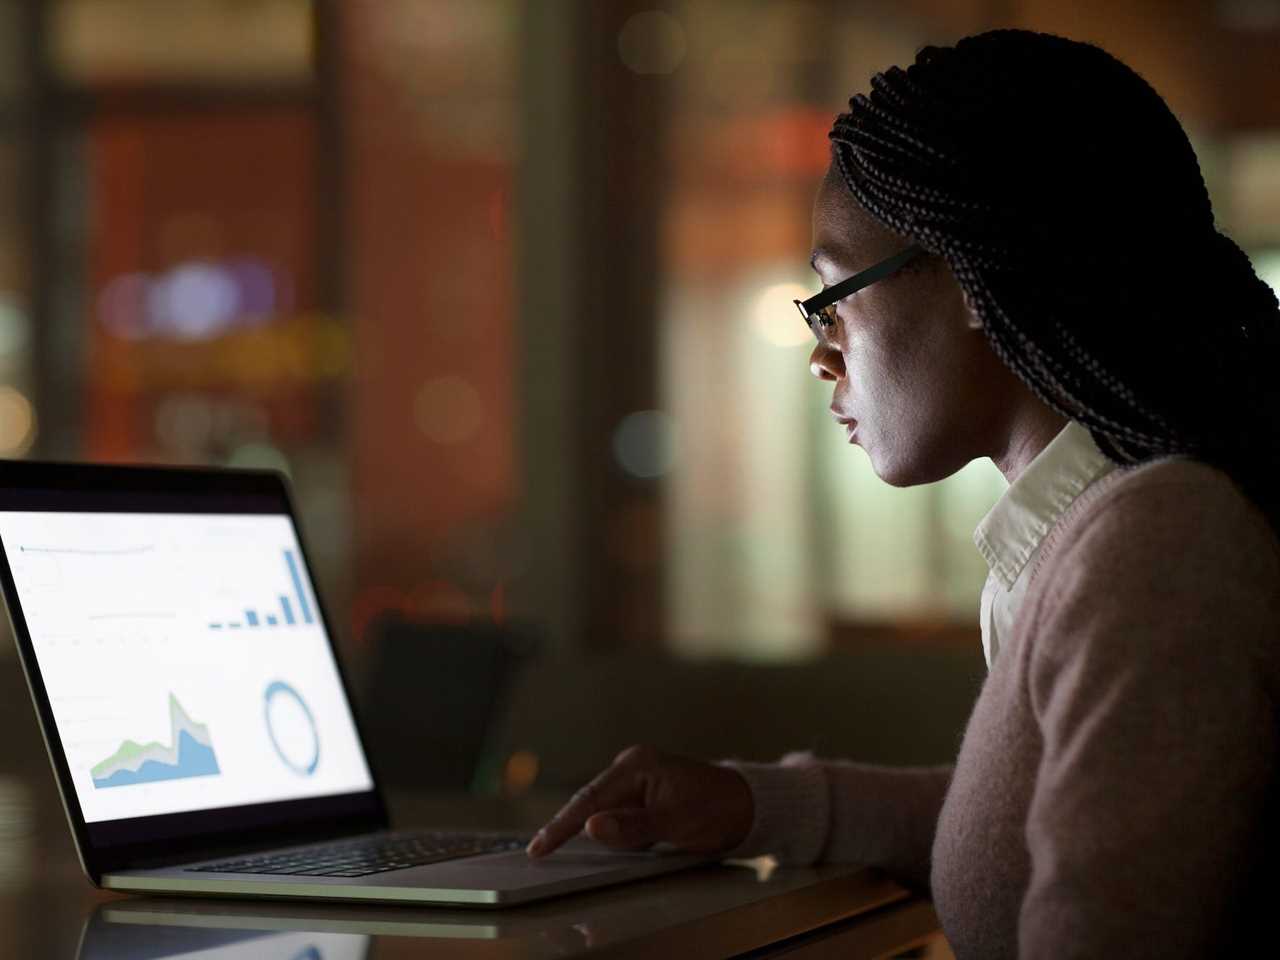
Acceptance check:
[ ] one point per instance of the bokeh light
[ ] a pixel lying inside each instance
(196, 300)
(776, 318)
(645, 443)
(519, 772)
(17, 423)
(652, 42)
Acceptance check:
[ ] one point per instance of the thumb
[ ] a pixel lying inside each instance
(628, 828)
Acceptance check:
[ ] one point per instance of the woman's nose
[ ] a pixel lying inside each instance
(826, 363)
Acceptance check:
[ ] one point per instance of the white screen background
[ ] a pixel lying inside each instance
(120, 610)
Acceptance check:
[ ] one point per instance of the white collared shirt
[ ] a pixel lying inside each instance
(1011, 533)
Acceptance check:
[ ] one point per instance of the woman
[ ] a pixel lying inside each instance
(1052, 293)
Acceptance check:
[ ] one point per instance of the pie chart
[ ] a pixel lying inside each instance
(292, 728)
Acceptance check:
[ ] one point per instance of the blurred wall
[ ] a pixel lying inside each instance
(505, 287)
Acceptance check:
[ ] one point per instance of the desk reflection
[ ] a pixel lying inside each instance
(107, 938)
(153, 929)
(712, 905)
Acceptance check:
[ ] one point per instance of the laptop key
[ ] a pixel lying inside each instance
(362, 858)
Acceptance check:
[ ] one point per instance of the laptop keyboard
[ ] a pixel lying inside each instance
(367, 855)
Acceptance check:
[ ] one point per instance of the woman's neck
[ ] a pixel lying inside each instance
(1029, 432)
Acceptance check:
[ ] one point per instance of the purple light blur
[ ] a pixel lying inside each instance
(195, 300)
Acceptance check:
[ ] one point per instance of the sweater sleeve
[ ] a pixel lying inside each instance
(1150, 671)
(807, 809)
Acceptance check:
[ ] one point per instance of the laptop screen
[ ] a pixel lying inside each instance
(185, 660)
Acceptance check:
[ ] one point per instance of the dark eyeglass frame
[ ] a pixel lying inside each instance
(822, 305)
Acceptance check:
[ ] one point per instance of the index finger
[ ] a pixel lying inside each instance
(609, 789)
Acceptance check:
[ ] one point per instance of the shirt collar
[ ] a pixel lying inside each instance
(1010, 533)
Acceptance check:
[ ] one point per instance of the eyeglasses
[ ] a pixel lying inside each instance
(822, 306)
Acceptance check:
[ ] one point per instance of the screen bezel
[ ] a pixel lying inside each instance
(172, 838)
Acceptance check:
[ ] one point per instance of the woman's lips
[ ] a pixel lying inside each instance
(850, 425)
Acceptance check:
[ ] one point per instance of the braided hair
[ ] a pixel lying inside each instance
(1069, 204)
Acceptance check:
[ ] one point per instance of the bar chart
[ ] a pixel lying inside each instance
(252, 618)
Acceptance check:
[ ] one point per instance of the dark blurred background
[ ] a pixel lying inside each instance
(504, 286)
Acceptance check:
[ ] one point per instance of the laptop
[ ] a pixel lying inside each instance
(196, 714)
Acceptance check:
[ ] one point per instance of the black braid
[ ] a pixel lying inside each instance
(1070, 206)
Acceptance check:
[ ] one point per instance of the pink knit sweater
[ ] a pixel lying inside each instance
(1116, 785)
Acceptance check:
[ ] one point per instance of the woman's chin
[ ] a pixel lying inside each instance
(901, 471)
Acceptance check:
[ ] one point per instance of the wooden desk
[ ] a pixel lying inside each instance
(48, 909)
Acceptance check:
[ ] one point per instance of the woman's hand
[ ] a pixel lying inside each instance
(648, 797)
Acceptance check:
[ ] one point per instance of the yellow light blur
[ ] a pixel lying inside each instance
(776, 319)
(520, 772)
(17, 423)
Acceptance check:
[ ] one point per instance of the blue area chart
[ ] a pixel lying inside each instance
(189, 753)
